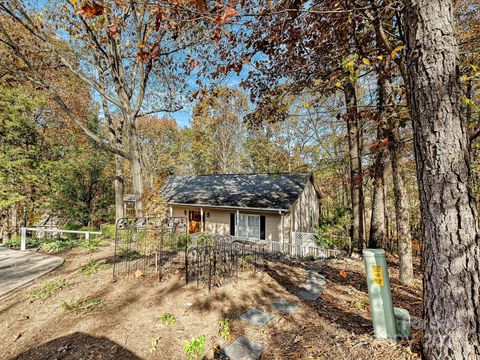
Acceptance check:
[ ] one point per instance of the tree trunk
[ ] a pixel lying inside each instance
(451, 305)
(14, 219)
(404, 237)
(119, 188)
(136, 170)
(377, 223)
(355, 156)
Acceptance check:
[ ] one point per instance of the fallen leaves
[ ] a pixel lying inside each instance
(343, 273)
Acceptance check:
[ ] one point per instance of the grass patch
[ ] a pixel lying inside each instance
(167, 320)
(46, 290)
(81, 305)
(58, 245)
(91, 267)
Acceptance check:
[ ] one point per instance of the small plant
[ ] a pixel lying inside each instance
(154, 345)
(167, 320)
(91, 244)
(58, 245)
(91, 267)
(15, 242)
(195, 348)
(224, 329)
(81, 305)
(46, 290)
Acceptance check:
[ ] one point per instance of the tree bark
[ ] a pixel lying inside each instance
(451, 305)
(377, 223)
(355, 156)
(136, 169)
(118, 185)
(404, 237)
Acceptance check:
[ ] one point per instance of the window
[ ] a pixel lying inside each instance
(249, 226)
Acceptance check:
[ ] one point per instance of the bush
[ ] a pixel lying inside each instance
(15, 242)
(91, 244)
(58, 245)
(183, 240)
(71, 227)
(334, 230)
(108, 231)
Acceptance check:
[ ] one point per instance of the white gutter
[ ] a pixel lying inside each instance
(230, 207)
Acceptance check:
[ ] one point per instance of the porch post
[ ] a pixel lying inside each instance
(237, 221)
(202, 220)
(282, 230)
(171, 211)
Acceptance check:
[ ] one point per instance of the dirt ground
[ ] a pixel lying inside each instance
(336, 326)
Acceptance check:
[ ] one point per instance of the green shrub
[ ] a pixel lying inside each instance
(108, 231)
(46, 290)
(81, 305)
(57, 245)
(334, 230)
(91, 244)
(184, 239)
(15, 242)
(91, 267)
(195, 349)
(71, 227)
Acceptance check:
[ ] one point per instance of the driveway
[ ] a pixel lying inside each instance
(19, 267)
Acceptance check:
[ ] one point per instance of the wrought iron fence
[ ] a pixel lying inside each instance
(149, 245)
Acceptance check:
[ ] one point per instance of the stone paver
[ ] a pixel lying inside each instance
(316, 273)
(317, 280)
(243, 349)
(314, 288)
(256, 317)
(287, 307)
(308, 296)
(20, 267)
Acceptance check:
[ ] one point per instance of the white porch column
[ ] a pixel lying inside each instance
(171, 211)
(202, 220)
(237, 222)
(282, 230)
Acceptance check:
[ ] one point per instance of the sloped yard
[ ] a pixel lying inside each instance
(84, 314)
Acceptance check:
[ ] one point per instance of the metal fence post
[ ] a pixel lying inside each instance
(23, 243)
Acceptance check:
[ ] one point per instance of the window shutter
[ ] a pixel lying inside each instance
(262, 227)
(232, 224)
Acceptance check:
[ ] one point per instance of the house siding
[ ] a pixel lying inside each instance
(305, 213)
(218, 221)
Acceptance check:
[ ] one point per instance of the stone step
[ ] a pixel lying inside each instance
(256, 317)
(243, 349)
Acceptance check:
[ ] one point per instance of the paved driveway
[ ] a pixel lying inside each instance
(19, 267)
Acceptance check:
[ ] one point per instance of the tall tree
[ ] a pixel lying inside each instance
(451, 253)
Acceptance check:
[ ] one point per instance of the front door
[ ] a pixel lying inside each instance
(194, 221)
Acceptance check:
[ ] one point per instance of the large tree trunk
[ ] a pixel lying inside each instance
(118, 185)
(355, 156)
(377, 223)
(451, 327)
(404, 237)
(136, 170)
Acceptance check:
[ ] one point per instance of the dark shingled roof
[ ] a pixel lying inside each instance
(266, 191)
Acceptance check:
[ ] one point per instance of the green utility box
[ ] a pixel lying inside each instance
(402, 323)
(379, 293)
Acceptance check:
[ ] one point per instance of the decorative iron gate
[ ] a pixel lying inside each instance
(150, 245)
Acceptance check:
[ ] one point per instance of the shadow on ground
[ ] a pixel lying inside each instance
(78, 346)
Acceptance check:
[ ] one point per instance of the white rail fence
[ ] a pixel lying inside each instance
(303, 245)
(23, 243)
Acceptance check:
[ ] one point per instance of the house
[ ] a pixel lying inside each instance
(252, 206)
